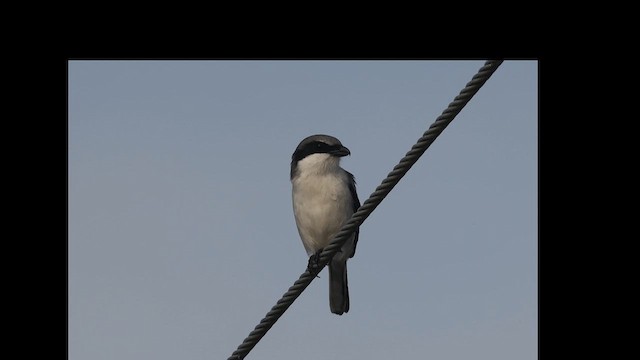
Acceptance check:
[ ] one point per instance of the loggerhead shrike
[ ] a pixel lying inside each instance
(324, 199)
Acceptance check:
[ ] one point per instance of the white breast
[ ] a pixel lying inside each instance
(321, 200)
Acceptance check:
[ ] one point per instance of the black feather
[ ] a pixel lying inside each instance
(355, 205)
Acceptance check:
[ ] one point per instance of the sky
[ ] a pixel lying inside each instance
(181, 234)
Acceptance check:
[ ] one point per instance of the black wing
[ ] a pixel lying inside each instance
(356, 206)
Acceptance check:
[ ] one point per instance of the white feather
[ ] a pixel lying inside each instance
(321, 200)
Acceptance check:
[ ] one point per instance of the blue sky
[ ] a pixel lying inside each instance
(181, 232)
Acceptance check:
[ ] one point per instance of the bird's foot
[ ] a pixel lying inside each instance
(314, 263)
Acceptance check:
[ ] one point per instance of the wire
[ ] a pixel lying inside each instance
(368, 206)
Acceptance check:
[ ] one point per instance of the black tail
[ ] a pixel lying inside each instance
(338, 289)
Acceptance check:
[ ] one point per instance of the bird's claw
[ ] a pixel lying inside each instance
(313, 266)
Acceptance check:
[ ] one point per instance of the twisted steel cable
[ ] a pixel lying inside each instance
(367, 208)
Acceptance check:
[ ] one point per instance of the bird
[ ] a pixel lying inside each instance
(324, 198)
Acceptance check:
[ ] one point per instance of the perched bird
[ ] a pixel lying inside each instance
(324, 199)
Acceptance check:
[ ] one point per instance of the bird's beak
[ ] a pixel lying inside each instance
(342, 151)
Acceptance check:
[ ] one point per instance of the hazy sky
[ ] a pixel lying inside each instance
(182, 236)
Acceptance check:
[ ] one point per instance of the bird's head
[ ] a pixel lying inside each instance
(317, 153)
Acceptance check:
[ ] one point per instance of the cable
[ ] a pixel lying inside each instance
(369, 205)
